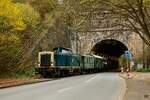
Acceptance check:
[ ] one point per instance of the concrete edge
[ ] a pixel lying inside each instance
(123, 89)
(27, 83)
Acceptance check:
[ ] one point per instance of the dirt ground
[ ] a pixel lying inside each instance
(138, 86)
(14, 81)
(4, 82)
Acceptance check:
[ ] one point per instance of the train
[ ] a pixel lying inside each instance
(62, 62)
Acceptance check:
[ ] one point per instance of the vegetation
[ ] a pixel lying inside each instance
(25, 73)
(15, 19)
(143, 70)
(122, 62)
(135, 13)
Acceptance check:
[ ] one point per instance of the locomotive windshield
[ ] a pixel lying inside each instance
(46, 60)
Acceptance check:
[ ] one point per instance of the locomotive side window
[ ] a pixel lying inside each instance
(45, 60)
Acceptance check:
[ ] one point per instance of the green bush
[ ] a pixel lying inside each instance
(122, 61)
(20, 73)
(142, 70)
(25, 73)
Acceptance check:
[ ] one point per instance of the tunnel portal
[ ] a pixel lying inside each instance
(110, 49)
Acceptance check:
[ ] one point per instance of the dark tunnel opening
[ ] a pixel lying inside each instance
(110, 49)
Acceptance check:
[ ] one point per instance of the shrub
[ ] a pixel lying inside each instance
(142, 70)
(25, 73)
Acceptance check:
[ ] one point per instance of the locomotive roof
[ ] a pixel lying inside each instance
(98, 56)
(63, 48)
(88, 55)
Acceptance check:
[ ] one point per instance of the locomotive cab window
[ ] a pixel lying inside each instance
(45, 60)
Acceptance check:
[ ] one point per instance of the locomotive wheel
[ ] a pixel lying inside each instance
(58, 73)
(44, 73)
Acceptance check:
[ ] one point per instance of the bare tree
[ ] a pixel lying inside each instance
(136, 13)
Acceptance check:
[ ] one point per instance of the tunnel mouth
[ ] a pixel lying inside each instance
(112, 50)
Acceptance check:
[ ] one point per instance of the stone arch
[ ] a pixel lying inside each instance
(119, 39)
(109, 47)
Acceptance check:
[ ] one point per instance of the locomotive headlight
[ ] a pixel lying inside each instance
(52, 64)
(38, 64)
